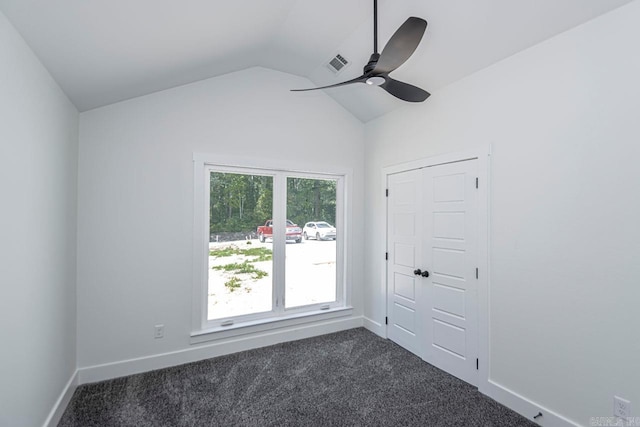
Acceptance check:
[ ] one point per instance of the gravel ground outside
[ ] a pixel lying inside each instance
(310, 278)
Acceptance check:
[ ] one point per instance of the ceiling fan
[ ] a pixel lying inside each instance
(399, 48)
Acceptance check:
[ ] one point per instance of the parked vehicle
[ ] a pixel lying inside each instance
(319, 230)
(294, 233)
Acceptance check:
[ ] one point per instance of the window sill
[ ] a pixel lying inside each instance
(268, 324)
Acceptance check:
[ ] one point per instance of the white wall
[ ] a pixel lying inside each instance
(38, 169)
(563, 120)
(135, 219)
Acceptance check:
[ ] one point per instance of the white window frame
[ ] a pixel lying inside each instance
(204, 329)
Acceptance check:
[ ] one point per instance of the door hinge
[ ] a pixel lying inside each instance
(476, 182)
(477, 272)
(386, 320)
(387, 192)
(386, 256)
(477, 364)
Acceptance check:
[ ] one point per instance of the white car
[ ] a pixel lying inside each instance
(319, 230)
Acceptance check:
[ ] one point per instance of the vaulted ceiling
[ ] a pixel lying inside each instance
(101, 52)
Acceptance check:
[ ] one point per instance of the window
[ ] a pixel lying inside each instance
(240, 270)
(269, 246)
(311, 273)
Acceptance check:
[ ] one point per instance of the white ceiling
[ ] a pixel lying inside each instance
(101, 52)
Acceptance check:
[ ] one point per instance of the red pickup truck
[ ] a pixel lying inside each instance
(294, 233)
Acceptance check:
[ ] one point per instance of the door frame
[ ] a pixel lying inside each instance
(483, 155)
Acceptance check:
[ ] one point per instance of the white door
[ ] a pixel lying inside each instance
(433, 227)
(450, 256)
(404, 228)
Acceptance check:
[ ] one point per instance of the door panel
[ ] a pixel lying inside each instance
(449, 300)
(404, 229)
(448, 225)
(404, 254)
(404, 223)
(405, 318)
(449, 338)
(448, 187)
(448, 262)
(405, 286)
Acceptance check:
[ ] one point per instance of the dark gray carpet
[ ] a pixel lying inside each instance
(350, 378)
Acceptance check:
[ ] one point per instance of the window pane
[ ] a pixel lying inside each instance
(311, 264)
(240, 267)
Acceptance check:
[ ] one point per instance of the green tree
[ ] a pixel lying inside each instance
(240, 202)
(311, 200)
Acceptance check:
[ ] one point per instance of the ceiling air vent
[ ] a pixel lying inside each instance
(337, 63)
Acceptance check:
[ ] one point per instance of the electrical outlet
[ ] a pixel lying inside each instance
(621, 407)
(158, 331)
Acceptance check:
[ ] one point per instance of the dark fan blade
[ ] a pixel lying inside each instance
(401, 45)
(360, 79)
(404, 91)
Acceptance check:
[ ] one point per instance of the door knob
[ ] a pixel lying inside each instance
(419, 272)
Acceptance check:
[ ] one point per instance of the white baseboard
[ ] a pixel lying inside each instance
(526, 407)
(63, 400)
(375, 327)
(195, 353)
